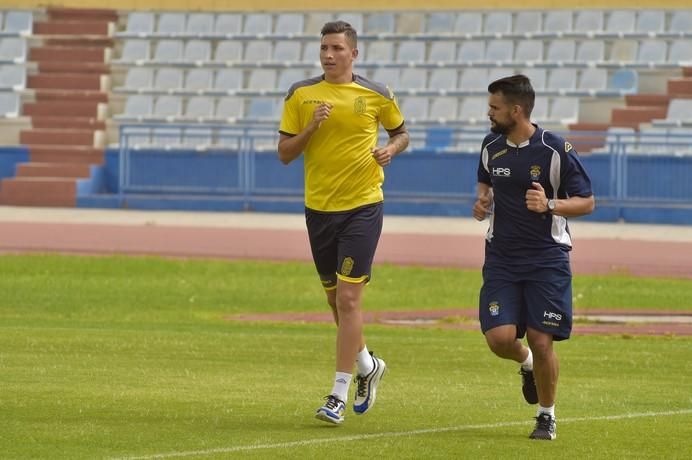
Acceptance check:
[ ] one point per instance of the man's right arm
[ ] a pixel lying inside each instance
(290, 147)
(483, 204)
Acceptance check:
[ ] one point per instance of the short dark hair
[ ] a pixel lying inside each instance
(517, 90)
(341, 27)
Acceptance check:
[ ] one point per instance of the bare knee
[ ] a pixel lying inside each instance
(502, 341)
(541, 344)
(348, 297)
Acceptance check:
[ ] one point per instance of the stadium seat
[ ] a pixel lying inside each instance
(680, 52)
(289, 24)
(590, 51)
(680, 22)
(289, 76)
(228, 79)
(229, 51)
(557, 22)
(620, 21)
(139, 79)
(230, 107)
(137, 106)
(311, 52)
(500, 51)
(199, 24)
(169, 51)
(199, 79)
(679, 110)
(442, 51)
(414, 108)
(651, 21)
(588, 21)
(474, 79)
(263, 108)
(564, 110)
(529, 51)
(168, 106)
(439, 23)
(411, 51)
(257, 24)
(623, 51)
(652, 51)
(13, 77)
(471, 51)
(379, 23)
(355, 19)
(288, 51)
(468, 23)
(19, 22)
(562, 79)
(444, 108)
(409, 23)
(315, 21)
(171, 24)
(495, 73)
(262, 79)
(561, 50)
(258, 51)
(9, 104)
(497, 23)
(474, 109)
(387, 76)
(443, 79)
(380, 51)
(199, 107)
(228, 24)
(13, 49)
(626, 81)
(537, 75)
(593, 79)
(413, 78)
(197, 51)
(539, 114)
(528, 22)
(133, 51)
(140, 23)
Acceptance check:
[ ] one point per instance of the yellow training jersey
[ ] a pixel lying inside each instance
(340, 171)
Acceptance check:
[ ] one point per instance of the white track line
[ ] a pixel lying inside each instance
(394, 434)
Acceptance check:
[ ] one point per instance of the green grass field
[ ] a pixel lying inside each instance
(116, 357)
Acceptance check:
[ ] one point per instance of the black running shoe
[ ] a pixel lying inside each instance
(528, 386)
(545, 427)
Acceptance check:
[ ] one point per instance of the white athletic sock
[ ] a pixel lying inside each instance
(364, 362)
(342, 380)
(528, 362)
(546, 410)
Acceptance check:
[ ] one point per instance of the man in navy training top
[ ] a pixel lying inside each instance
(529, 181)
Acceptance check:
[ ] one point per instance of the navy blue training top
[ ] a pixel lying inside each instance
(516, 235)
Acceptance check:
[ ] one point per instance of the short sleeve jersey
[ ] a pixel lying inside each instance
(517, 235)
(340, 172)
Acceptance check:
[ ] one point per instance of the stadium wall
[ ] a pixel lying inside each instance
(353, 5)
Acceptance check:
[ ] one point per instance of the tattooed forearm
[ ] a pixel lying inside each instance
(399, 141)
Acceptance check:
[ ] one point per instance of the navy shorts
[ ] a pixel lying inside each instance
(343, 244)
(533, 296)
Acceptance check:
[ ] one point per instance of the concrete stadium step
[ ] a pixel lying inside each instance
(70, 27)
(74, 14)
(66, 170)
(637, 114)
(73, 67)
(71, 54)
(583, 126)
(687, 71)
(66, 154)
(80, 42)
(76, 81)
(647, 100)
(59, 137)
(68, 123)
(38, 191)
(60, 108)
(680, 87)
(70, 96)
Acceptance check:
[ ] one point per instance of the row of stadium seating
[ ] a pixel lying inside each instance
(490, 23)
(548, 53)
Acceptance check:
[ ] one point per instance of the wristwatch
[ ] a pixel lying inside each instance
(551, 206)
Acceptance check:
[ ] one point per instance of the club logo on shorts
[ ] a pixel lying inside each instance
(494, 308)
(347, 266)
(359, 105)
(535, 172)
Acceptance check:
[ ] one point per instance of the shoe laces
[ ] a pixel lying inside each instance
(544, 422)
(332, 402)
(362, 383)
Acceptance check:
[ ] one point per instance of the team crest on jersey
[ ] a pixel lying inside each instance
(359, 105)
(494, 308)
(535, 172)
(568, 146)
(347, 266)
(498, 154)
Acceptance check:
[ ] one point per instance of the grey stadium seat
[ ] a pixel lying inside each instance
(439, 23)
(13, 77)
(474, 79)
(557, 21)
(9, 104)
(287, 51)
(380, 51)
(560, 51)
(168, 106)
(474, 109)
(651, 21)
(257, 24)
(468, 22)
(471, 51)
(355, 19)
(139, 78)
(411, 51)
(537, 75)
(497, 23)
(444, 108)
(590, 51)
(198, 51)
(19, 22)
(228, 24)
(289, 24)
(228, 79)
(409, 23)
(528, 22)
(413, 78)
(229, 51)
(199, 107)
(258, 51)
(199, 24)
(135, 50)
(445, 78)
(388, 76)
(315, 21)
(171, 24)
(140, 23)
(442, 51)
(588, 21)
(620, 21)
(262, 79)
(529, 51)
(415, 107)
(230, 107)
(378, 23)
(562, 79)
(168, 51)
(199, 79)
(500, 51)
(289, 76)
(655, 51)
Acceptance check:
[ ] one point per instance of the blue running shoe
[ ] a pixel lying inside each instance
(366, 386)
(332, 411)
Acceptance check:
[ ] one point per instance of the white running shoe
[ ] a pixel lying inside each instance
(366, 386)
(332, 411)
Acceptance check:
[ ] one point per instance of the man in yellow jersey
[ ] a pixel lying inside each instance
(334, 120)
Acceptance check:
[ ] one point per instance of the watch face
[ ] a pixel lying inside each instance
(551, 205)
